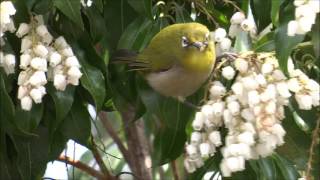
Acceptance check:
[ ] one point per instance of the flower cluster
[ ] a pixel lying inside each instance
(305, 14)
(239, 23)
(6, 11)
(7, 61)
(40, 56)
(251, 111)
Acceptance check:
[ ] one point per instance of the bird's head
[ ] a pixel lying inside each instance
(196, 49)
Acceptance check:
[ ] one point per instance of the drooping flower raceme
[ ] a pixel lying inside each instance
(251, 111)
(305, 16)
(43, 59)
(6, 11)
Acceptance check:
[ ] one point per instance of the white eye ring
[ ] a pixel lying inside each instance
(184, 42)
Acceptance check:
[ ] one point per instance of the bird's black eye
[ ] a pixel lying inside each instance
(184, 42)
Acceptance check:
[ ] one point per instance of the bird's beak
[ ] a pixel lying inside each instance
(199, 45)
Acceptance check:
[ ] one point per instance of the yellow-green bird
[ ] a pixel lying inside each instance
(178, 59)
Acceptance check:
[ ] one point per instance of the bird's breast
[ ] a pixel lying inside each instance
(177, 81)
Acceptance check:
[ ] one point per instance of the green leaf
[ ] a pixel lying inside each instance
(261, 12)
(28, 121)
(275, 11)
(286, 168)
(71, 8)
(92, 80)
(22, 14)
(77, 125)
(284, 45)
(242, 43)
(42, 6)
(265, 43)
(267, 168)
(316, 37)
(172, 118)
(143, 7)
(96, 21)
(130, 35)
(7, 111)
(63, 101)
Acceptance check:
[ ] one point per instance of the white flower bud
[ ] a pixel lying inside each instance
(42, 30)
(39, 64)
(292, 28)
(314, 6)
(283, 90)
(22, 30)
(266, 68)
(198, 162)
(25, 44)
(237, 88)
(67, 52)
(226, 172)
(261, 80)
(198, 121)
(41, 50)
(237, 18)
(26, 103)
(294, 85)
(271, 107)
(250, 83)
(278, 130)
(227, 117)
(247, 115)
(24, 61)
(278, 75)
(47, 39)
(241, 65)
(22, 78)
(72, 62)
(247, 25)
(9, 63)
(246, 138)
(234, 30)
(253, 98)
(207, 110)
(195, 138)
(190, 167)
(228, 72)
(269, 93)
(234, 107)
(217, 89)
(219, 34)
(61, 43)
(60, 82)
(191, 151)
(38, 79)
(36, 95)
(305, 24)
(315, 98)
(22, 91)
(299, 2)
(215, 138)
(225, 44)
(304, 101)
(235, 163)
(217, 108)
(55, 59)
(204, 149)
(312, 85)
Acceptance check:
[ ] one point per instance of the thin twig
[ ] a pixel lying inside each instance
(314, 143)
(114, 136)
(99, 160)
(175, 170)
(81, 166)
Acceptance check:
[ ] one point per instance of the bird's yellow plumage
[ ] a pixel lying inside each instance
(178, 59)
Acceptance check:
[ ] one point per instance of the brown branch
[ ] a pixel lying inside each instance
(314, 142)
(175, 170)
(100, 162)
(114, 136)
(81, 166)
